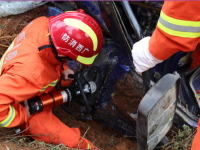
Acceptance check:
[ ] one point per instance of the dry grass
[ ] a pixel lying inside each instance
(26, 143)
(5, 42)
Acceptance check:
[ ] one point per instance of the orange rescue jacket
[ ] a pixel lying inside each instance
(178, 29)
(26, 72)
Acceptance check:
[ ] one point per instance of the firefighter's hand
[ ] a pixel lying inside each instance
(27, 109)
(66, 73)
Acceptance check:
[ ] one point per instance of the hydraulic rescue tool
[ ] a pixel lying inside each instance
(83, 90)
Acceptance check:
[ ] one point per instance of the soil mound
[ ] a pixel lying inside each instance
(126, 97)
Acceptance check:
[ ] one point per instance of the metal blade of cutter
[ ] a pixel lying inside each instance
(156, 112)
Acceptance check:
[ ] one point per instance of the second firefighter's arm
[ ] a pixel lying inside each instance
(13, 91)
(178, 29)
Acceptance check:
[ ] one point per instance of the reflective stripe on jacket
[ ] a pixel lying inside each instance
(6, 122)
(178, 29)
(26, 72)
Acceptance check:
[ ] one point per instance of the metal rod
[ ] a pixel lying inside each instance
(188, 117)
(138, 32)
(134, 23)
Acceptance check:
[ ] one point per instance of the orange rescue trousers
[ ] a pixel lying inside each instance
(50, 129)
(196, 143)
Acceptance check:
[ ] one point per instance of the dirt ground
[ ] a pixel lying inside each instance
(13, 24)
(126, 97)
(105, 139)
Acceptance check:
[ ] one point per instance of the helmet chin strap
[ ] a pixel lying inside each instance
(60, 59)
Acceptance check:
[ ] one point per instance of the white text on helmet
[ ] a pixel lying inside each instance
(73, 43)
(65, 37)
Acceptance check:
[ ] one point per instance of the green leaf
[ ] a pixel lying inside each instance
(14, 140)
(1, 26)
(41, 143)
(111, 138)
(113, 94)
(180, 134)
(176, 145)
(185, 127)
(187, 132)
(21, 140)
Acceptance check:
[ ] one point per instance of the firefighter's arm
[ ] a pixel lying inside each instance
(178, 29)
(13, 91)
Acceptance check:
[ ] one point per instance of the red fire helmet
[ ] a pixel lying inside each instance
(77, 35)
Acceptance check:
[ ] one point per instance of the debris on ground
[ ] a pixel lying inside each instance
(12, 25)
(180, 139)
(126, 97)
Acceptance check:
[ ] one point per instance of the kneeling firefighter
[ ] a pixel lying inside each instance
(33, 65)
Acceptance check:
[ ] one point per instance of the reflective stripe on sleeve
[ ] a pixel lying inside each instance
(50, 84)
(9, 119)
(198, 96)
(89, 147)
(180, 28)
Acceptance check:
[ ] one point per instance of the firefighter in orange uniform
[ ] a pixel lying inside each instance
(178, 29)
(32, 65)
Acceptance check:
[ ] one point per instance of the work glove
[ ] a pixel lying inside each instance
(142, 58)
(66, 73)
